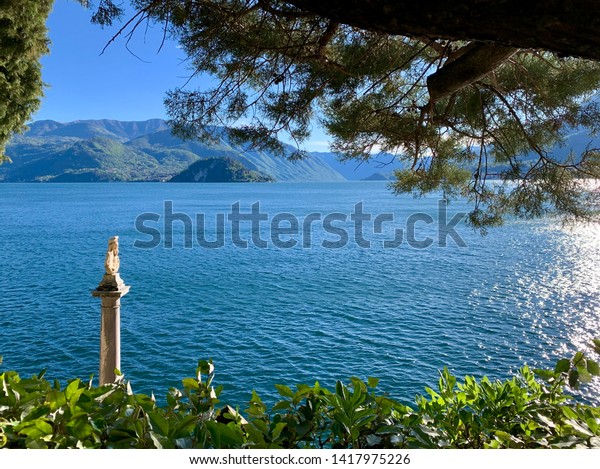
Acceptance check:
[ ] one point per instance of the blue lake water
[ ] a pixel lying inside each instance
(525, 294)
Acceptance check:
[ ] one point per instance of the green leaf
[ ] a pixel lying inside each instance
(502, 435)
(428, 431)
(107, 394)
(56, 399)
(563, 366)
(579, 360)
(389, 430)
(569, 413)
(593, 368)
(224, 436)
(190, 383)
(157, 440)
(574, 379)
(186, 425)
(431, 392)
(204, 367)
(568, 442)
(278, 429)
(341, 390)
(372, 382)
(261, 426)
(159, 424)
(546, 421)
(35, 412)
(284, 391)
(36, 444)
(44, 427)
(366, 419)
(80, 429)
(282, 405)
(546, 375)
(255, 436)
(596, 344)
(584, 376)
(358, 385)
(579, 428)
(73, 392)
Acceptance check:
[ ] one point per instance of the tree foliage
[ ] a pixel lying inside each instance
(23, 40)
(458, 112)
(521, 412)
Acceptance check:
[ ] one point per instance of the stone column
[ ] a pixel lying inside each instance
(110, 333)
(110, 291)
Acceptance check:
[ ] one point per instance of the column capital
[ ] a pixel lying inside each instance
(122, 291)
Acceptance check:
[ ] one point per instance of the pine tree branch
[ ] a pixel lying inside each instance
(476, 62)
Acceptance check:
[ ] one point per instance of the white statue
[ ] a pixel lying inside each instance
(112, 281)
(111, 264)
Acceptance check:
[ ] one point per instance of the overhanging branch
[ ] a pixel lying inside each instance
(479, 60)
(566, 28)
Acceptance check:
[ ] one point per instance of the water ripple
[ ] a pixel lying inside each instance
(527, 293)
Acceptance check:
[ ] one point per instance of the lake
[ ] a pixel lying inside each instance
(327, 286)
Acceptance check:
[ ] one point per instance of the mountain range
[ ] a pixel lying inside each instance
(110, 150)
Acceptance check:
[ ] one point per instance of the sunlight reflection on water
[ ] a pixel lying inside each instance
(568, 292)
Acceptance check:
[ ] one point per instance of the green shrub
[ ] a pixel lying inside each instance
(523, 412)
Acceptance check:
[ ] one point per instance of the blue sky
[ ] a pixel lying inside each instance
(85, 84)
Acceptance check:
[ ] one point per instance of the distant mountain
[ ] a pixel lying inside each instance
(109, 150)
(220, 170)
(359, 170)
(382, 166)
(91, 160)
(118, 130)
(379, 177)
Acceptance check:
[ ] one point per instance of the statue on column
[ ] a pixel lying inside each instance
(112, 280)
(111, 264)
